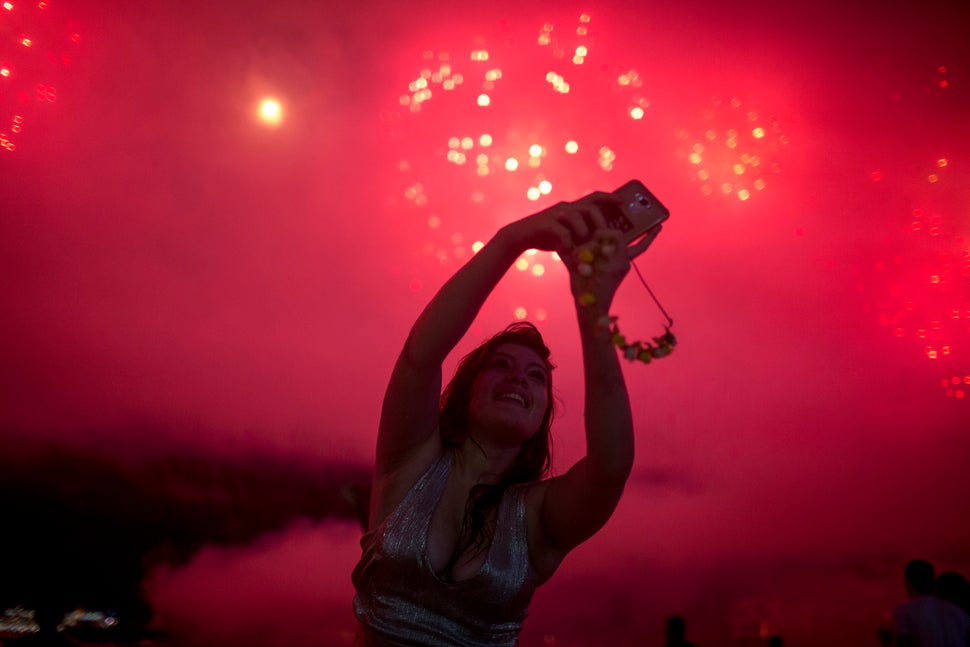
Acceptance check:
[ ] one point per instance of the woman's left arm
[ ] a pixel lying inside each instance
(578, 503)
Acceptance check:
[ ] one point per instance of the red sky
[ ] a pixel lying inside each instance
(170, 264)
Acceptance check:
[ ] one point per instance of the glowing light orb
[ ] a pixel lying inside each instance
(606, 158)
(940, 80)
(270, 112)
(558, 83)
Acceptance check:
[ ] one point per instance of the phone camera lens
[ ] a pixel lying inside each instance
(643, 200)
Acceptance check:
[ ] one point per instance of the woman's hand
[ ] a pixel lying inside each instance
(599, 265)
(597, 257)
(559, 228)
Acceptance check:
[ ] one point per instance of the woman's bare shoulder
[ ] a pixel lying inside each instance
(392, 483)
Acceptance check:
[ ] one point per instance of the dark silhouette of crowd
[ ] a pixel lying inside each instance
(676, 632)
(936, 612)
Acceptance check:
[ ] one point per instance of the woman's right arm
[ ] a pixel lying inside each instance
(409, 414)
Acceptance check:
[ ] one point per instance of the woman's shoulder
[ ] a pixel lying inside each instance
(392, 484)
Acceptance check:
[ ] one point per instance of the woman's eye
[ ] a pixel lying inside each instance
(539, 376)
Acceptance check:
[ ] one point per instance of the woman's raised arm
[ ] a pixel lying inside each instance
(578, 503)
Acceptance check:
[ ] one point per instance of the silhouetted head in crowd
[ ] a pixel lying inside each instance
(676, 631)
(920, 578)
(955, 588)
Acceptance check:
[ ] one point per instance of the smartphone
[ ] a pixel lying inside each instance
(637, 212)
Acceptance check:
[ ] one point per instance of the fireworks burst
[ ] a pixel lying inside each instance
(37, 46)
(514, 122)
(736, 151)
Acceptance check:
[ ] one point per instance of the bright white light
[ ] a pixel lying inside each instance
(270, 112)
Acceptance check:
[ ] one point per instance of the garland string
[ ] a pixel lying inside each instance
(641, 351)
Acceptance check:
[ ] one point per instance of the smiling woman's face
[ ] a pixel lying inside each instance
(510, 395)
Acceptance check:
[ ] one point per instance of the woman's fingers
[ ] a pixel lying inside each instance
(571, 217)
(641, 245)
(564, 238)
(588, 215)
(547, 230)
(571, 225)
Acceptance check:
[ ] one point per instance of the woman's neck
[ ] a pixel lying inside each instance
(478, 462)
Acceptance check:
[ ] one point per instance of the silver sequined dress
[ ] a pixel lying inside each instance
(400, 601)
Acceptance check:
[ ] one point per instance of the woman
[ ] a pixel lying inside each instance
(462, 526)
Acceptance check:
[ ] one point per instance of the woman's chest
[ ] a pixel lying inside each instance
(450, 556)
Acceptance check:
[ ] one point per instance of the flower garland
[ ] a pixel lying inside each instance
(635, 350)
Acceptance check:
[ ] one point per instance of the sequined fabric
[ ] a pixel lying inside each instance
(400, 601)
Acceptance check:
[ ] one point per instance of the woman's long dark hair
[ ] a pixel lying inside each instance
(535, 455)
